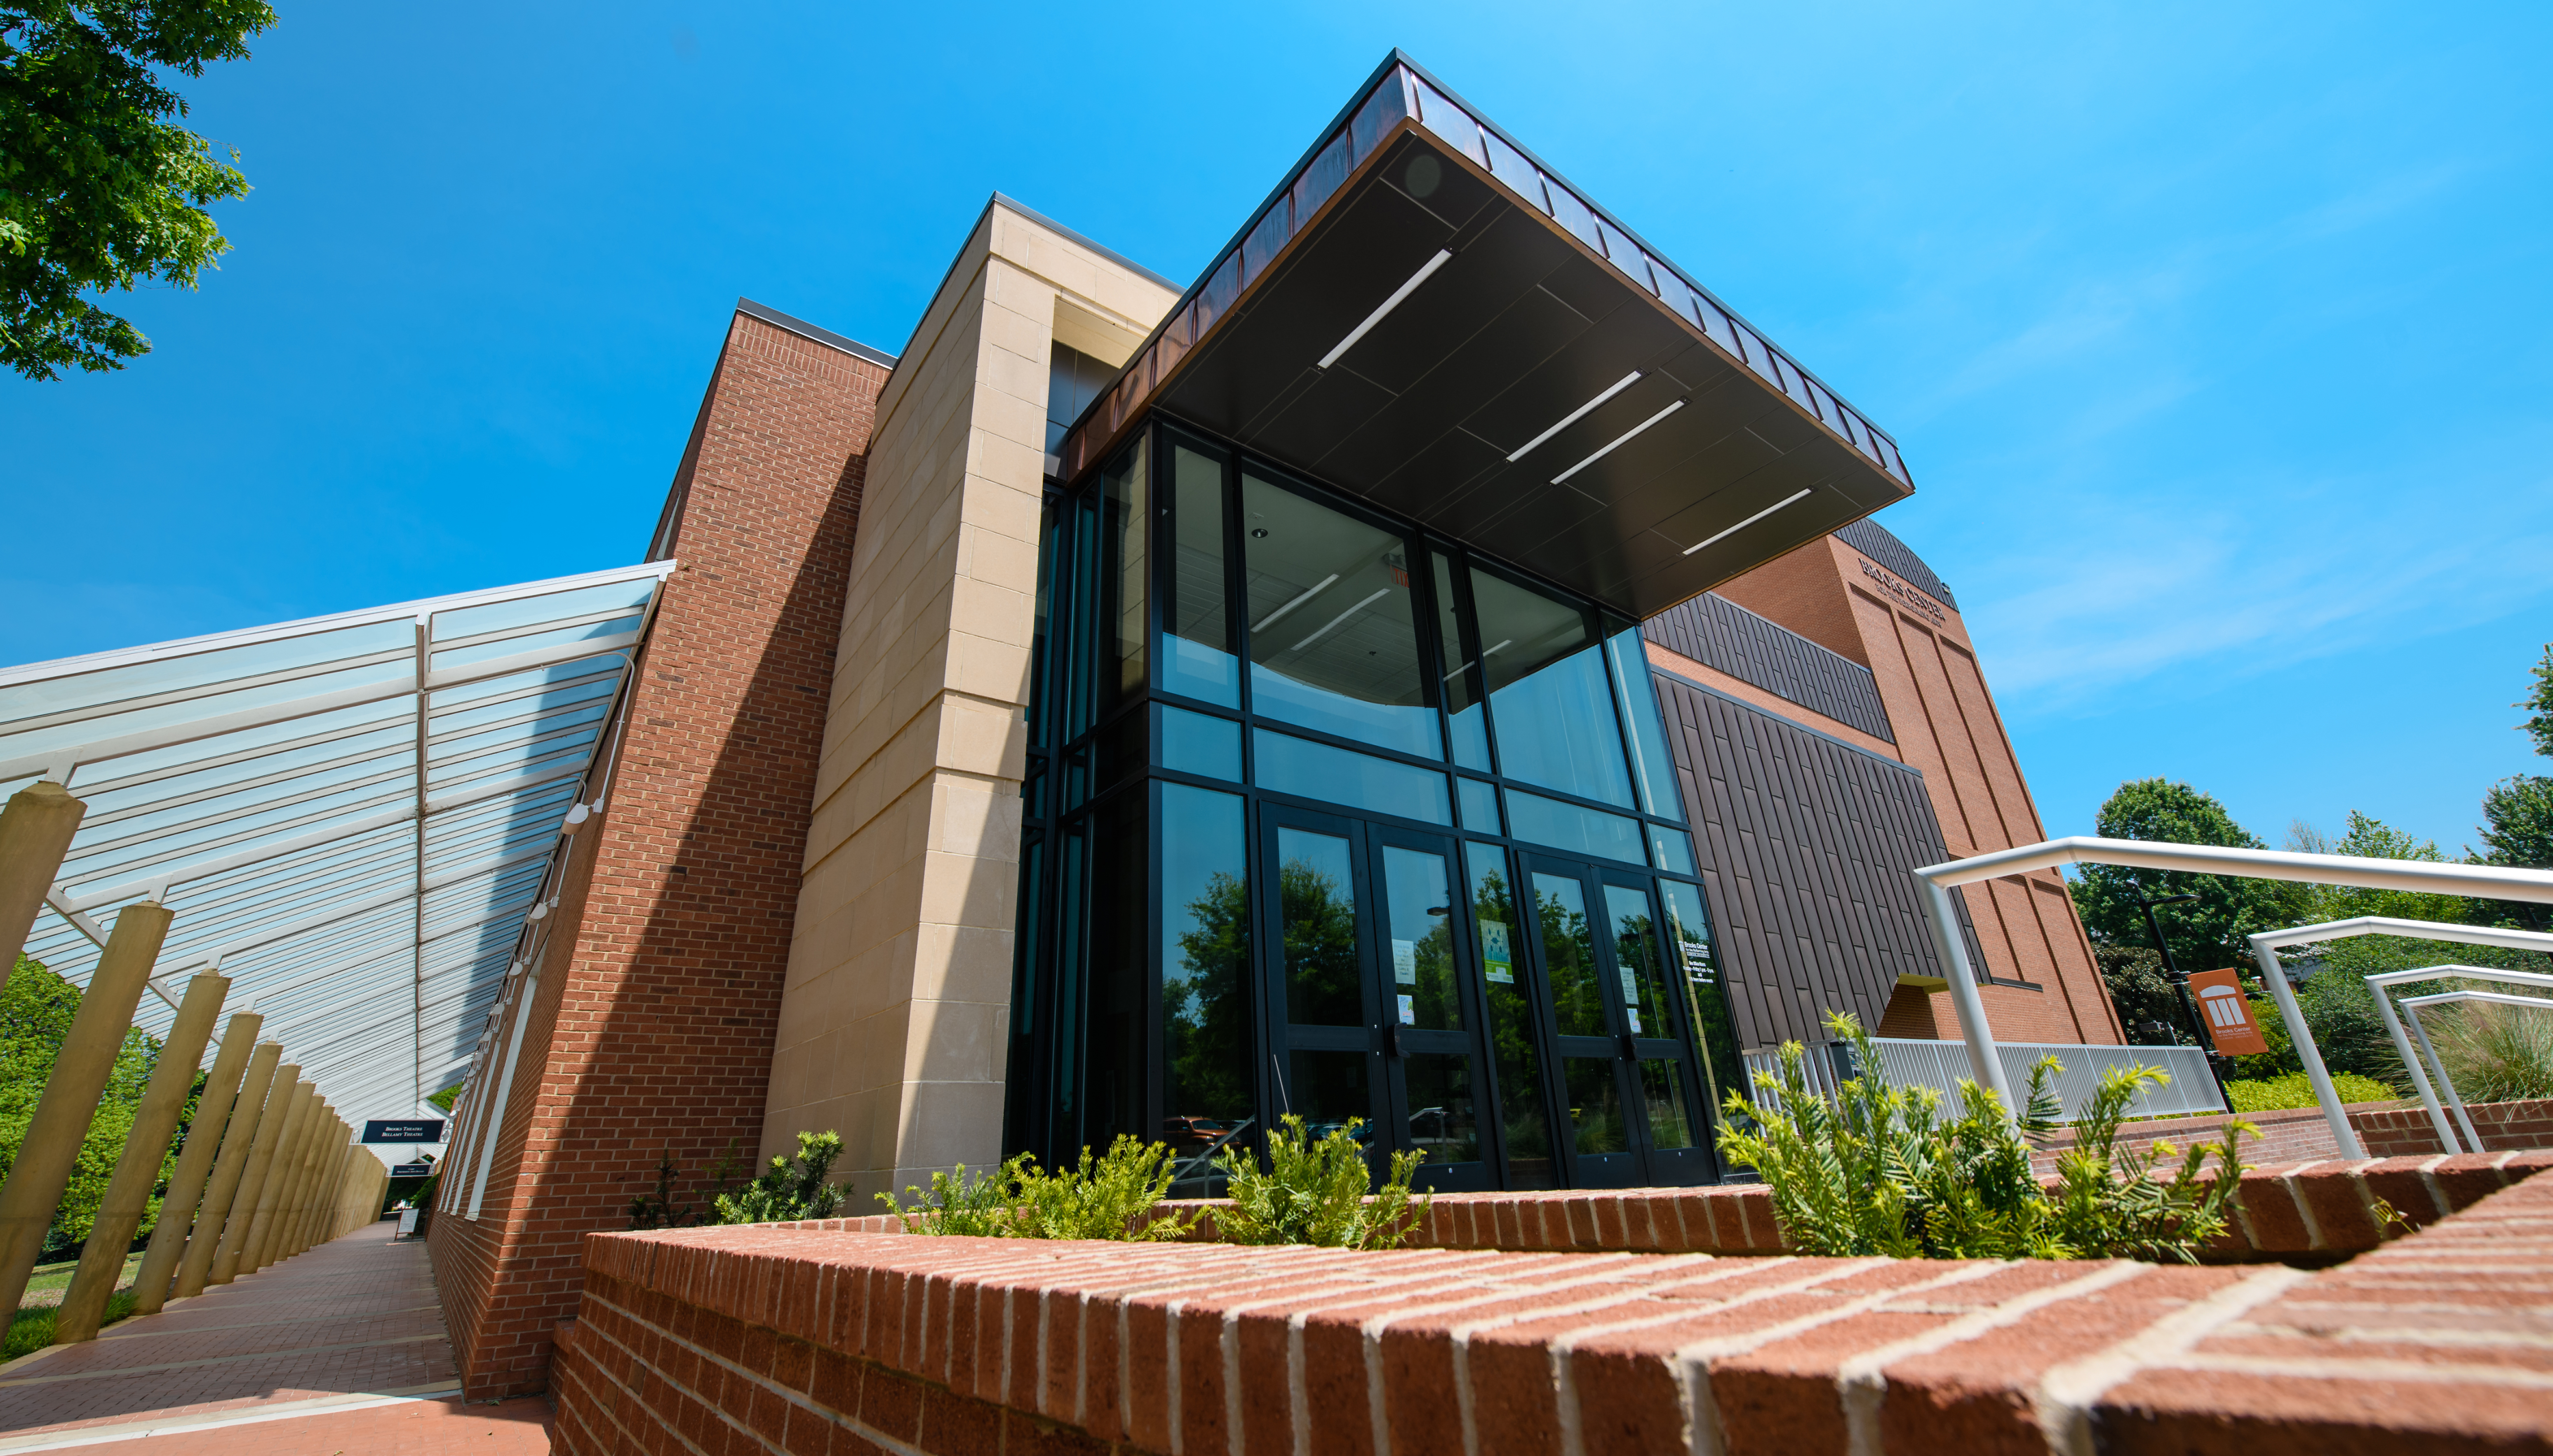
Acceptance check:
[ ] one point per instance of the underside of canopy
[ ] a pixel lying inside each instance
(348, 816)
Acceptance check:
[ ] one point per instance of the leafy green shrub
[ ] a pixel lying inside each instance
(1878, 1172)
(981, 1207)
(1314, 1192)
(791, 1189)
(2276, 1094)
(663, 1206)
(1112, 1196)
(1111, 1199)
(2496, 1053)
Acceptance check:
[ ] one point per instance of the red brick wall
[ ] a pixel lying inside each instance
(1947, 725)
(786, 1339)
(2401, 1131)
(652, 1029)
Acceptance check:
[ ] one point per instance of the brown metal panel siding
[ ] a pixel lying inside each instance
(1808, 848)
(1719, 633)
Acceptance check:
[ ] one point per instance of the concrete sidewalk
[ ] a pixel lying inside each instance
(341, 1348)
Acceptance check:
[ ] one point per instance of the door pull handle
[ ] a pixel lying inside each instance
(1631, 1049)
(1392, 1037)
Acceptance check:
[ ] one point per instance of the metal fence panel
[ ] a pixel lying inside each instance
(1942, 1066)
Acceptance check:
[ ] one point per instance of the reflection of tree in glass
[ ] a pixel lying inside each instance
(1319, 916)
(1635, 950)
(1205, 1016)
(1569, 951)
(1520, 1071)
(1433, 997)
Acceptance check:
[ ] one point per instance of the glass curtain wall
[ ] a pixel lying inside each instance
(1329, 819)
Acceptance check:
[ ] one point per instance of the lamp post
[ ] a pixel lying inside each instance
(2179, 979)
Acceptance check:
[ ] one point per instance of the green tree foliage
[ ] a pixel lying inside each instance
(1880, 1171)
(2149, 1004)
(100, 187)
(2206, 934)
(791, 1189)
(36, 1010)
(2517, 822)
(444, 1099)
(1315, 1191)
(2539, 704)
(2373, 838)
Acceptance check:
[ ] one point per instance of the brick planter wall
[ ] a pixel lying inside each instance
(792, 1340)
(2395, 1132)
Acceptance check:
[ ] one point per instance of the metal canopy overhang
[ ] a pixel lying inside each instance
(1448, 331)
(350, 816)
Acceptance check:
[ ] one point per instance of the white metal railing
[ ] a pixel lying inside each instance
(1942, 1066)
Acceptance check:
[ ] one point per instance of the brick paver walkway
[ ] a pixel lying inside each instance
(341, 1348)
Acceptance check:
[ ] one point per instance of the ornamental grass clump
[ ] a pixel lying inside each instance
(1879, 1170)
(1112, 1196)
(1315, 1191)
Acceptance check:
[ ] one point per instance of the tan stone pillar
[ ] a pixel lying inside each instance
(327, 1213)
(247, 1110)
(128, 1188)
(282, 1105)
(274, 1201)
(282, 1244)
(325, 1142)
(330, 1197)
(35, 832)
(195, 1163)
(80, 1069)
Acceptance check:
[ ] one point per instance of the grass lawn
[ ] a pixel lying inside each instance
(33, 1327)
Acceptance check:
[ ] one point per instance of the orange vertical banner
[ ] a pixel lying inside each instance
(2227, 1012)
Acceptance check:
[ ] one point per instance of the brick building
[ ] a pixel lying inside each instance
(1434, 670)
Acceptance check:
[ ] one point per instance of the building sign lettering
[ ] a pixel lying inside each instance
(1904, 595)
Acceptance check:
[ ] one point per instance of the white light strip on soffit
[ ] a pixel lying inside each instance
(1620, 440)
(1405, 290)
(1574, 415)
(1750, 520)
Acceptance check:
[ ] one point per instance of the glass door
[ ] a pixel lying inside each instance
(1431, 1013)
(1324, 1009)
(1588, 1041)
(1668, 1093)
(1623, 1066)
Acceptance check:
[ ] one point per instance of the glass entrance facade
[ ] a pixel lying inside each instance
(1328, 816)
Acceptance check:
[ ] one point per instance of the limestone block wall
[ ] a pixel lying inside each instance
(894, 1018)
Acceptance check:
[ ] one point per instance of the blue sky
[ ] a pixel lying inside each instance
(2217, 337)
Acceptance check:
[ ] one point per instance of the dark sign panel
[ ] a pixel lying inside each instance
(411, 1170)
(379, 1131)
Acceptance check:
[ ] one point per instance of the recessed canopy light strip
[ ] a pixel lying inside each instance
(1425, 270)
(1574, 415)
(1790, 499)
(1620, 440)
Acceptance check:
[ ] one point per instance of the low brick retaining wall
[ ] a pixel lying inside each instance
(2306, 1212)
(804, 1340)
(2404, 1129)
